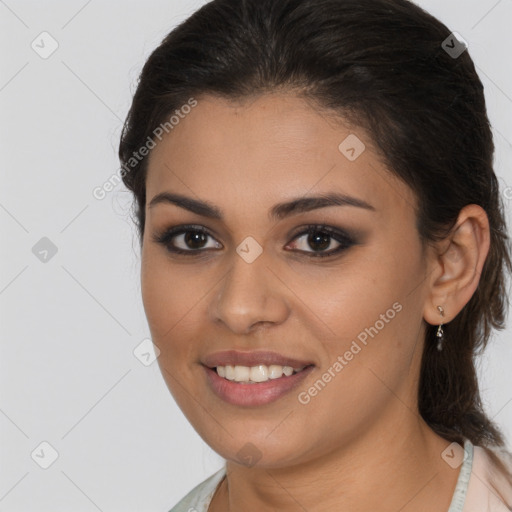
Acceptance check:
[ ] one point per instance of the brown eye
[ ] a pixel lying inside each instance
(193, 240)
(185, 239)
(320, 238)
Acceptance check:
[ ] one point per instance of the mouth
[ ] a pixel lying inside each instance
(254, 378)
(256, 374)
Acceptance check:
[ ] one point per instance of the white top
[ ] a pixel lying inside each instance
(479, 487)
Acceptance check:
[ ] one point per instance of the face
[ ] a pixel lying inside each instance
(253, 296)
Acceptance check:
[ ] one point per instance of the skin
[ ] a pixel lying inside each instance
(363, 430)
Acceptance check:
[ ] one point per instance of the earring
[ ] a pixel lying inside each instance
(440, 332)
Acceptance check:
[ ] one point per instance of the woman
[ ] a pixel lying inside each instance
(323, 254)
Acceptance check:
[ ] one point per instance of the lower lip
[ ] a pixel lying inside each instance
(259, 393)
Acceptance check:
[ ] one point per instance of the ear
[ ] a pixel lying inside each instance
(456, 265)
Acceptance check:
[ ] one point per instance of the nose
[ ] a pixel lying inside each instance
(250, 296)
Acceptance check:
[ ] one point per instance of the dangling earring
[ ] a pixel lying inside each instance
(440, 332)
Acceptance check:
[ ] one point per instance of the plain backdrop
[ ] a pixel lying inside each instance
(71, 312)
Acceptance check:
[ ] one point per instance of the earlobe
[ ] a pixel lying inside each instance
(459, 260)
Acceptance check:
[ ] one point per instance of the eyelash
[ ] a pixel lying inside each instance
(345, 240)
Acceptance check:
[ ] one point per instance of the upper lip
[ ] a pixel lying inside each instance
(254, 358)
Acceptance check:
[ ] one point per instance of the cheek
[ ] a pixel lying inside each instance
(157, 295)
(353, 298)
(375, 313)
(171, 306)
(166, 294)
(168, 304)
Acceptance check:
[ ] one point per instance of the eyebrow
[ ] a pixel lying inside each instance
(277, 212)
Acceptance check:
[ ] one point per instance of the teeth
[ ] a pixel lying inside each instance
(230, 372)
(260, 373)
(275, 371)
(242, 373)
(287, 370)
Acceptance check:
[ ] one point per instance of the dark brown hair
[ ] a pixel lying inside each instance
(380, 65)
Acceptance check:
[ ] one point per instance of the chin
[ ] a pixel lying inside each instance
(257, 451)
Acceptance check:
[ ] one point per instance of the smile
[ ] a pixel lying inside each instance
(254, 378)
(255, 374)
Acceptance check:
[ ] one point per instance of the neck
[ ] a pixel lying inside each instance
(394, 469)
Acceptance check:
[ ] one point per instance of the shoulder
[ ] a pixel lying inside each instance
(490, 487)
(198, 499)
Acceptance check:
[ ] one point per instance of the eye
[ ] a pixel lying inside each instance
(321, 237)
(185, 239)
(192, 240)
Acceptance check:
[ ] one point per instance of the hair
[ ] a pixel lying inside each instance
(381, 66)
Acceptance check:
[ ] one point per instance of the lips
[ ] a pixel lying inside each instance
(254, 358)
(250, 394)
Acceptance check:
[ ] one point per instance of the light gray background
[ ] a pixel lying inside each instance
(68, 375)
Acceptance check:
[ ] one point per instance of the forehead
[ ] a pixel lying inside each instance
(266, 149)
